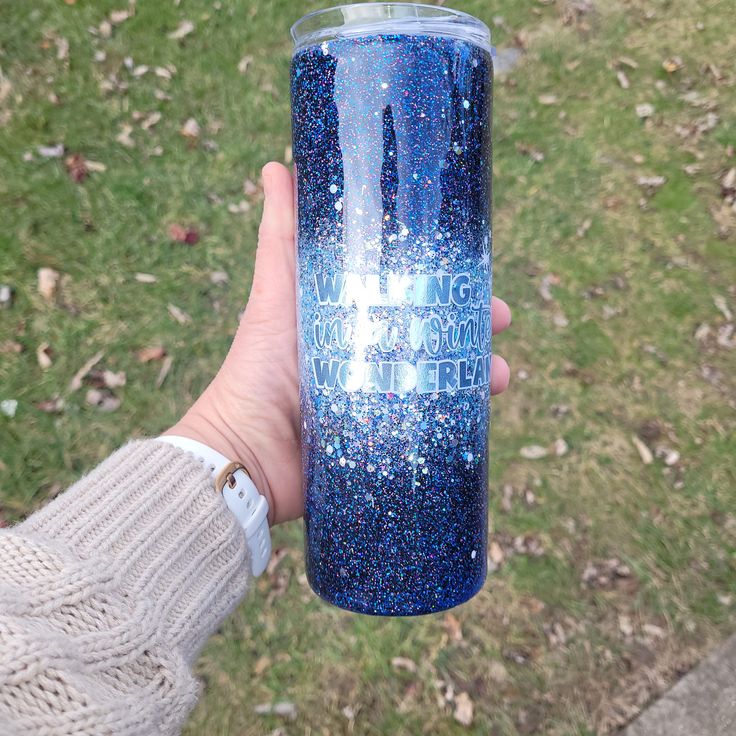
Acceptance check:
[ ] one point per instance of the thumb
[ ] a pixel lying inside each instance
(275, 257)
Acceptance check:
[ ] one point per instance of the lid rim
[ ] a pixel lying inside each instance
(475, 31)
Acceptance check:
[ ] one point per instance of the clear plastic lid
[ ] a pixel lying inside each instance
(365, 19)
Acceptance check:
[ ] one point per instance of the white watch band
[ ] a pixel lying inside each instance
(242, 498)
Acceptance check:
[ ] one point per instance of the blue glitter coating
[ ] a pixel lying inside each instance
(392, 146)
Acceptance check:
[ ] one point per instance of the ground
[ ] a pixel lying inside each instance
(612, 483)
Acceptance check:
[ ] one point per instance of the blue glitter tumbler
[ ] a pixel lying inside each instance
(391, 110)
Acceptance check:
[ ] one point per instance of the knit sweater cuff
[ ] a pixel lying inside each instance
(151, 516)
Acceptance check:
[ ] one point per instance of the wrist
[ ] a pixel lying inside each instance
(200, 426)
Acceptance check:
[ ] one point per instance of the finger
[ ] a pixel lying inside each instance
(500, 314)
(274, 269)
(500, 375)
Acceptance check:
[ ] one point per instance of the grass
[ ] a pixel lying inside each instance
(634, 275)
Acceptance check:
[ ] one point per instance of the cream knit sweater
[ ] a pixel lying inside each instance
(108, 593)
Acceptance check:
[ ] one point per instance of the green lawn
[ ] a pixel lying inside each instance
(613, 575)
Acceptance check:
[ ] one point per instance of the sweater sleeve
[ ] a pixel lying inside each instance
(108, 593)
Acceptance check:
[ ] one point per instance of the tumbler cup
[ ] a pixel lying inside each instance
(391, 117)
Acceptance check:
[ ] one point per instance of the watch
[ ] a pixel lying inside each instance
(240, 495)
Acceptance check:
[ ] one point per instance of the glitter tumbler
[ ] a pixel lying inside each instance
(391, 113)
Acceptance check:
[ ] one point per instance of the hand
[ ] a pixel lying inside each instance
(250, 411)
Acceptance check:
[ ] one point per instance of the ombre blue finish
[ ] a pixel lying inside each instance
(392, 146)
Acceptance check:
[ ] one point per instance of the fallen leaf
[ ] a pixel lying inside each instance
(496, 554)
(43, 356)
(219, 278)
(651, 183)
(184, 29)
(239, 208)
(645, 110)
(76, 383)
(672, 64)
(628, 61)
(145, 278)
(644, 452)
(181, 234)
(251, 189)
(165, 368)
(105, 29)
(76, 167)
(548, 280)
(244, 63)
(95, 166)
(119, 16)
(561, 447)
(190, 129)
(48, 282)
(498, 672)
(53, 151)
(179, 314)
(150, 120)
(533, 452)
(163, 72)
(139, 70)
(261, 665)
(657, 632)
(123, 137)
(288, 155)
(463, 709)
(102, 399)
(113, 379)
(154, 352)
(584, 227)
(625, 626)
(10, 347)
(404, 663)
(722, 307)
(623, 80)
(51, 406)
(62, 48)
(548, 99)
(283, 708)
(452, 626)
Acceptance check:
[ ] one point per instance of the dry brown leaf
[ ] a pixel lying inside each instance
(119, 16)
(154, 352)
(145, 278)
(123, 137)
(48, 282)
(404, 663)
(62, 48)
(548, 99)
(113, 379)
(150, 120)
(672, 64)
(463, 709)
(102, 399)
(644, 452)
(533, 452)
(10, 347)
(188, 235)
(165, 368)
(43, 356)
(244, 63)
(261, 665)
(183, 30)
(623, 80)
(51, 406)
(76, 167)
(452, 626)
(190, 129)
(179, 314)
(76, 383)
(644, 110)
